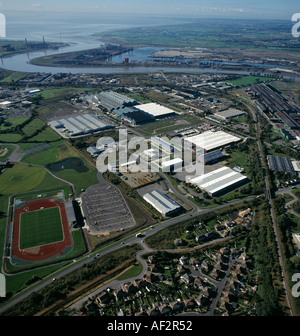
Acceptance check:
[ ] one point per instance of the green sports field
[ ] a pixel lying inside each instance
(40, 227)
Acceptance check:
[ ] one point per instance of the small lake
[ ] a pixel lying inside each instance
(72, 163)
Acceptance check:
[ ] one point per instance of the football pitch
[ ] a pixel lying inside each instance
(40, 227)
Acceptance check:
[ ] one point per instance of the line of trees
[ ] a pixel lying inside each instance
(286, 226)
(264, 250)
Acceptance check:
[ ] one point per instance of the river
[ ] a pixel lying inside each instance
(79, 32)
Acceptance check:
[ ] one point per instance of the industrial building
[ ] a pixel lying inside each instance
(219, 181)
(80, 125)
(279, 163)
(133, 116)
(211, 157)
(94, 151)
(162, 203)
(229, 114)
(210, 140)
(113, 100)
(296, 165)
(156, 110)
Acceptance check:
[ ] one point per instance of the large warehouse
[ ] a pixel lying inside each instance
(212, 140)
(112, 100)
(229, 114)
(211, 157)
(219, 181)
(133, 116)
(162, 203)
(279, 163)
(156, 110)
(80, 125)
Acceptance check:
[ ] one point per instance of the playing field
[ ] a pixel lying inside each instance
(40, 227)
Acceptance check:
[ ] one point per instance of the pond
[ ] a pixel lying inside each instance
(72, 163)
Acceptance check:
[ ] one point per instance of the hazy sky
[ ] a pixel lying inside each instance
(268, 9)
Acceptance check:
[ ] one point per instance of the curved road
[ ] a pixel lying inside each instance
(132, 240)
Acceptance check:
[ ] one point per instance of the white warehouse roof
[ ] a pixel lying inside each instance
(211, 140)
(218, 180)
(154, 109)
(161, 202)
(84, 124)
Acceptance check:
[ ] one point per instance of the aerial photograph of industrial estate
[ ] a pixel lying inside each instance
(150, 161)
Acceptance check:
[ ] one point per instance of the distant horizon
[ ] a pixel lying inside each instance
(186, 9)
(109, 15)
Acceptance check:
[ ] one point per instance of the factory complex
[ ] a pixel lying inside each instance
(79, 125)
(128, 109)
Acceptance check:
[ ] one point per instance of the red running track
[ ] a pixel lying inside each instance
(42, 252)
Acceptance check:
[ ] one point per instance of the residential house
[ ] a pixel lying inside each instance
(177, 305)
(152, 259)
(189, 303)
(225, 250)
(129, 288)
(194, 261)
(221, 266)
(141, 313)
(205, 265)
(156, 268)
(181, 269)
(183, 260)
(202, 300)
(198, 283)
(188, 279)
(120, 293)
(218, 274)
(102, 298)
(235, 252)
(165, 309)
(154, 312)
(140, 284)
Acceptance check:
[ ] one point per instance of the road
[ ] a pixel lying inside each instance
(16, 155)
(131, 240)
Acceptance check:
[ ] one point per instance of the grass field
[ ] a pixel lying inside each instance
(59, 151)
(33, 126)
(40, 227)
(14, 122)
(15, 77)
(248, 80)
(10, 138)
(22, 178)
(46, 135)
